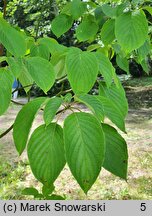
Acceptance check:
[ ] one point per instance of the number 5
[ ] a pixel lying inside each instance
(143, 207)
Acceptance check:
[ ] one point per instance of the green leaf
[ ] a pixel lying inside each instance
(93, 104)
(109, 10)
(131, 30)
(12, 39)
(143, 51)
(23, 123)
(145, 65)
(24, 76)
(87, 29)
(82, 70)
(52, 45)
(84, 147)
(116, 156)
(105, 68)
(15, 65)
(67, 98)
(6, 82)
(30, 191)
(148, 8)
(51, 108)
(61, 24)
(58, 61)
(93, 47)
(116, 95)
(108, 32)
(40, 50)
(47, 190)
(55, 197)
(102, 106)
(122, 63)
(46, 153)
(77, 8)
(113, 12)
(41, 71)
(100, 16)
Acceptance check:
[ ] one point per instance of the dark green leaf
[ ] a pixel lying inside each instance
(116, 156)
(87, 29)
(46, 153)
(6, 82)
(13, 40)
(30, 191)
(47, 190)
(122, 63)
(93, 104)
(41, 71)
(23, 123)
(82, 70)
(77, 8)
(50, 109)
(61, 24)
(105, 68)
(84, 147)
(131, 30)
(116, 95)
(108, 32)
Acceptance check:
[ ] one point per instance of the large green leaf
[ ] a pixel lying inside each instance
(113, 12)
(93, 104)
(84, 147)
(12, 39)
(52, 45)
(143, 51)
(102, 106)
(116, 95)
(61, 24)
(23, 123)
(82, 70)
(6, 82)
(46, 153)
(108, 32)
(15, 65)
(77, 8)
(58, 61)
(105, 67)
(51, 108)
(40, 50)
(116, 156)
(24, 76)
(131, 30)
(87, 29)
(41, 71)
(109, 11)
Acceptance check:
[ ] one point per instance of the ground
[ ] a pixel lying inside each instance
(15, 173)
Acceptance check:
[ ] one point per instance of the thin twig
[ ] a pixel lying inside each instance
(4, 8)
(7, 131)
(17, 103)
(20, 88)
(63, 92)
(76, 109)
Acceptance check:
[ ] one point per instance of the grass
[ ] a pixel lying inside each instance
(139, 82)
(107, 187)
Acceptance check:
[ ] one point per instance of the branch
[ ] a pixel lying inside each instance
(17, 103)
(23, 87)
(63, 92)
(11, 127)
(7, 131)
(4, 8)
